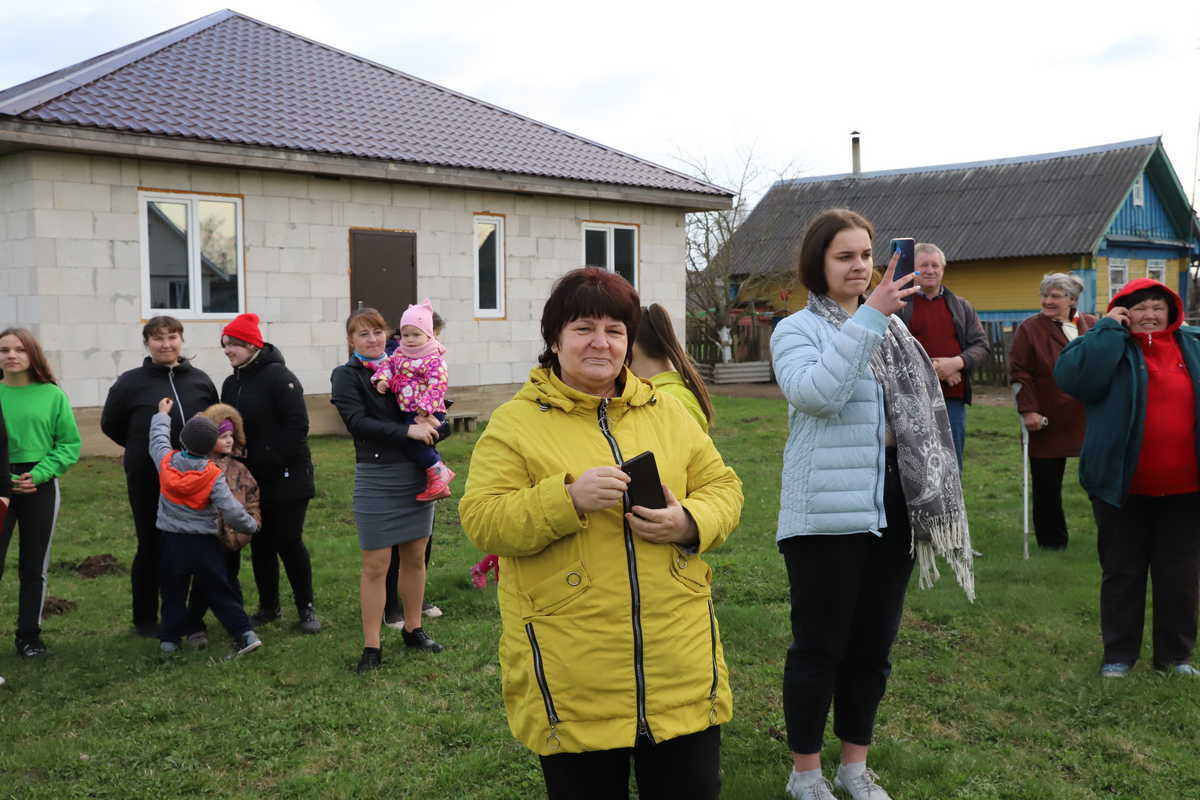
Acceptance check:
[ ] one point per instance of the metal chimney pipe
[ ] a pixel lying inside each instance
(855, 154)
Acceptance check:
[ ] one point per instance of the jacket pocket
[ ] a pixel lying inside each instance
(539, 674)
(554, 592)
(691, 571)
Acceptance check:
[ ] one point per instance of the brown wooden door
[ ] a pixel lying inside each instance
(383, 272)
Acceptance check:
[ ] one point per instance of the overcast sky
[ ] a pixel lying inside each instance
(925, 82)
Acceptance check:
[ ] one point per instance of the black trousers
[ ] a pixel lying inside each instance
(198, 557)
(847, 594)
(198, 604)
(143, 491)
(279, 539)
(33, 515)
(686, 768)
(1049, 523)
(1161, 536)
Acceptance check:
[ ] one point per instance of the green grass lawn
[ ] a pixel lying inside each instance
(999, 699)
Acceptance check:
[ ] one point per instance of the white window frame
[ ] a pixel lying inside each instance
(501, 271)
(1158, 265)
(195, 287)
(1114, 264)
(1139, 191)
(610, 249)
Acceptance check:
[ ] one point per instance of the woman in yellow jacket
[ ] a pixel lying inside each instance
(610, 648)
(658, 357)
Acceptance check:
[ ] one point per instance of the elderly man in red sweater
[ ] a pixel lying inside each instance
(948, 328)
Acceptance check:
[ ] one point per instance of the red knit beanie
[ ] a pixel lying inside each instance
(245, 328)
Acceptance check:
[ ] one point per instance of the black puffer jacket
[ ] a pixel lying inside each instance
(373, 419)
(271, 401)
(133, 400)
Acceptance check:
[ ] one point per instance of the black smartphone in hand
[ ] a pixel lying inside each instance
(908, 257)
(645, 486)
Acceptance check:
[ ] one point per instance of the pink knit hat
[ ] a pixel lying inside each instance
(420, 317)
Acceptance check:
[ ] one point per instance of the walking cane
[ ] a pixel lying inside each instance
(1016, 388)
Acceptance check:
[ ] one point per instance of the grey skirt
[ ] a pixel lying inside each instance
(386, 511)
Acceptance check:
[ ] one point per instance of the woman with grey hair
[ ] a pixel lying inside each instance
(1055, 420)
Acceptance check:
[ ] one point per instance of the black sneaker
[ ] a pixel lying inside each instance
(308, 620)
(31, 646)
(372, 658)
(248, 642)
(420, 640)
(264, 615)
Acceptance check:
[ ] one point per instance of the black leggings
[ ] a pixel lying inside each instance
(685, 768)
(847, 594)
(34, 515)
(143, 575)
(1049, 521)
(279, 539)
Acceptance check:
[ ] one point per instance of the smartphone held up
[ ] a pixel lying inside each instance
(907, 248)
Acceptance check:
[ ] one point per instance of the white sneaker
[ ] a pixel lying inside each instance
(1, 680)
(821, 790)
(864, 787)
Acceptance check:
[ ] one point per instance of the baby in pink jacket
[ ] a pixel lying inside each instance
(416, 374)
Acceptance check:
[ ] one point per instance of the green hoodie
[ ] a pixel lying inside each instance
(41, 429)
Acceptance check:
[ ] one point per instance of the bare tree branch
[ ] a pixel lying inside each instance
(712, 292)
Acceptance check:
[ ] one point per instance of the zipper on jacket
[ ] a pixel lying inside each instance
(174, 391)
(712, 637)
(634, 588)
(539, 672)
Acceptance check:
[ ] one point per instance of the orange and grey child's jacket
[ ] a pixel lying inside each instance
(193, 496)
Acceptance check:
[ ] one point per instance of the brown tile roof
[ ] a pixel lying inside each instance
(230, 78)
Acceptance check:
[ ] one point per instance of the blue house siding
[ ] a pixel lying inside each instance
(1148, 221)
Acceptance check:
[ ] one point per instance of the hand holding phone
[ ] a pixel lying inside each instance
(1120, 314)
(890, 295)
(907, 248)
(645, 485)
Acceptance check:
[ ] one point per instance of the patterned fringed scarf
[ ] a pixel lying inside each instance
(916, 413)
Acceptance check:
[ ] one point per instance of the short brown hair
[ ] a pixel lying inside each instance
(817, 236)
(588, 292)
(364, 317)
(39, 367)
(160, 324)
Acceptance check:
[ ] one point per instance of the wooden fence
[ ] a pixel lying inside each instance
(994, 370)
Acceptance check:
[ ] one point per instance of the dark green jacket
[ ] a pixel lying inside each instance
(1105, 371)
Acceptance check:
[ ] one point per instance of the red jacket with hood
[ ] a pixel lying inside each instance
(1167, 460)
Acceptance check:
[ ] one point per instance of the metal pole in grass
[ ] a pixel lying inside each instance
(1016, 388)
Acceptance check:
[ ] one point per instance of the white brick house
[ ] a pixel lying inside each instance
(129, 187)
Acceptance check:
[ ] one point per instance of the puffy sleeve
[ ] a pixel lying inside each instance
(714, 494)
(1086, 366)
(502, 510)
(816, 378)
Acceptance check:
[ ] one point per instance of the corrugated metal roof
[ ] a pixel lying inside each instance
(230, 78)
(1046, 204)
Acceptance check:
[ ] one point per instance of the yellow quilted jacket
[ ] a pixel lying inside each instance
(604, 634)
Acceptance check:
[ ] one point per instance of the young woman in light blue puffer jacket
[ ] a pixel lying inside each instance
(870, 478)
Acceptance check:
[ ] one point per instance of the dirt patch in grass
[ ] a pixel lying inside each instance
(103, 564)
(58, 606)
